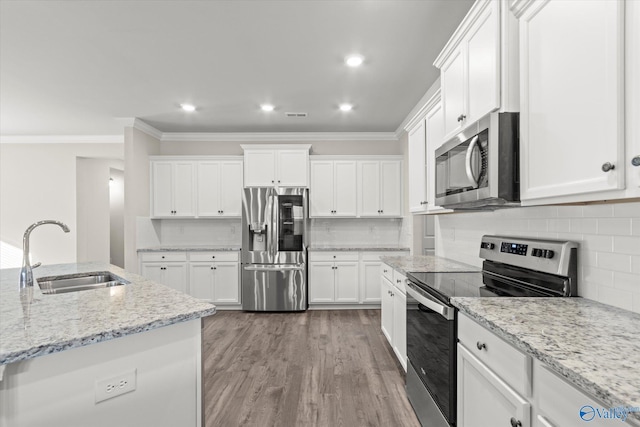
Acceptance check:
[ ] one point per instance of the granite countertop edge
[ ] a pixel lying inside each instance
(357, 249)
(578, 380)
(426, 264)
(189, 249)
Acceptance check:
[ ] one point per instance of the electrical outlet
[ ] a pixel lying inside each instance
(233, 229)
(115, 386)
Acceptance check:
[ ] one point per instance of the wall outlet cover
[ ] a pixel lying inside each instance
(115, 386)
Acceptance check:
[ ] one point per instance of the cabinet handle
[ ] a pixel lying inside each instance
(272, 181)
(212, 268)
(162, 256)
(515, 423)
(635, 161)
(423, 203)
(215, 268)
(608, 167)
(481, 345)
(278, 181)
(384, 271)
(213, 256)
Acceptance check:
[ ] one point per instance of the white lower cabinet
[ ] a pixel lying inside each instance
(394, 312)
(484, 399)
(333, 277)
(210, 276)
(498, 385)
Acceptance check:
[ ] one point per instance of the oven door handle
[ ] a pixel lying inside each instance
(443, 310)
(467, 163)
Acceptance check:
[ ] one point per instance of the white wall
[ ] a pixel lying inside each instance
(116, 217)
(138, 146)
(93, 208)
(608, 234)
(38, 181)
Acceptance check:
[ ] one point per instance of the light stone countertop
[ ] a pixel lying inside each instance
(38, 324)
(355, 248)
(190, 248)
(425, 263)
(594, 346)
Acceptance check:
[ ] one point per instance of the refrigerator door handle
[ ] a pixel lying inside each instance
(275, 267)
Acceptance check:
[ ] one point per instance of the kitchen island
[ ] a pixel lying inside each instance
(124, 355)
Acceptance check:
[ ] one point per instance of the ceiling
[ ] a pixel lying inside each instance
(79, 67)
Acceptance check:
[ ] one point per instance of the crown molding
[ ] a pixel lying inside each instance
(61, 139)
(422, 112)
(519, 7)
(278, 136)
(147, 128)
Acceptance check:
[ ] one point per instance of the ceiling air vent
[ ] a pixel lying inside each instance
(295, 114)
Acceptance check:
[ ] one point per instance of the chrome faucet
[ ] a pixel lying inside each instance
(26, 273)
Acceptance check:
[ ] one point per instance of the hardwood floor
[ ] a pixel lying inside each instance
(317, 368)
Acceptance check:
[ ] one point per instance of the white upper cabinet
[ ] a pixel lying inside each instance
(333, 188)
(196, 186)
(380, 188)
(276, 165)
(172, 189)
(219, 188)
(572, 74)
(471, 63)
(417, 170)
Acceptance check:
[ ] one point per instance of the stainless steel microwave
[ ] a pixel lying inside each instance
(478, 168)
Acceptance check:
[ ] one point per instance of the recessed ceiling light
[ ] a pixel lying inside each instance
(267, 107)
(354, 60)
(346, 107)
(188, 107)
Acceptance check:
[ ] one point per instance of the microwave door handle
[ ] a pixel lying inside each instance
(467, 163)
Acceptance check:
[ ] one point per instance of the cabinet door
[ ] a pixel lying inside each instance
(162, 189)
(386, 309)
(483, 76)
(417, 161)
(484, 399)
(175, 276)
(259, 168)
(632, 94)
(391, 188)
(321, 191)
(201, 277)
(208, 184)
(370, 281)
(345, 188)
(183, 189)
(369, 188)
(346, 282)
(452, 84)
(400, 327)
(226, 287)
(231, 189)
(293, 168)
(152, 271)
(321, 282)
(435, 138)
(572, 96)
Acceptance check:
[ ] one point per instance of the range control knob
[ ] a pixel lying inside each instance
(549, 254)
(535, 252)
(487, 245)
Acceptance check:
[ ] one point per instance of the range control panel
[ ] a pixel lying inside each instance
(514, 248)
(551, 256)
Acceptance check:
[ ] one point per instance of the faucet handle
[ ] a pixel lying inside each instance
(36, 265)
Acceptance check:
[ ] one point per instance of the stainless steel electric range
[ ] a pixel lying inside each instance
(513, 267)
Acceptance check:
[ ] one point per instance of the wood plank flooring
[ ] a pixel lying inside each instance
(317, 368)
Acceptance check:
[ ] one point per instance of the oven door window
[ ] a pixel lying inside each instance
(464, 167)
(431, 351)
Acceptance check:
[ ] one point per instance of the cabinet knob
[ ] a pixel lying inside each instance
(212, 268)
(608, 167)
(423, 203)
(398, 280)
(384, 271)
(635, 161)
(481, 345)
(162, 256)
(278, 181)
(515, 423)
(213, 256)
(272, 181)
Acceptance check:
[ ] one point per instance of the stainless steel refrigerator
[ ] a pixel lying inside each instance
(274, 249)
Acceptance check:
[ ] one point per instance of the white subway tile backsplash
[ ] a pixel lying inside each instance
(613, 261)
(614, 226)
(608, 235)
(626, 245)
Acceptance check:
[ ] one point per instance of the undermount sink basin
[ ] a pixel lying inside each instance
(76, 283)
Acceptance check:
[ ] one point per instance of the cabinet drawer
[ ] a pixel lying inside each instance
(510, 364)
(559, 402)
(387, 272)
(163, 256)
(213, 256)
(399, 281)
(333, 256)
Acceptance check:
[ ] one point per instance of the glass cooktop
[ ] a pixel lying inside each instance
(447, 285)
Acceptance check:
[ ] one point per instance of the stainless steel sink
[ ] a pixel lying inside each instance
(76, 283)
